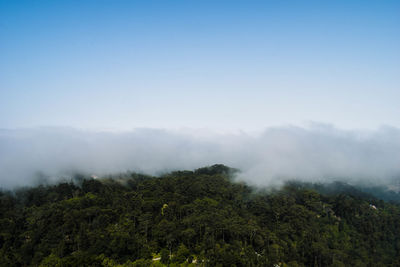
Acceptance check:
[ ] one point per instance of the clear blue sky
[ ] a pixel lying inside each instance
(214, 64)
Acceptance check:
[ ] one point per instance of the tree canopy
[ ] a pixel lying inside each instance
(195, 218)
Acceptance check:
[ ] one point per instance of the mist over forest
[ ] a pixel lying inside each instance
(317, 153)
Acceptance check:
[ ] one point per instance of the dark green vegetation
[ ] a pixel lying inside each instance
(200, 217)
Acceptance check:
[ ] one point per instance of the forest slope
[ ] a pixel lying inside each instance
(198, 217)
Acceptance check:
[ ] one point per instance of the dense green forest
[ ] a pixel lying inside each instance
(195, 218)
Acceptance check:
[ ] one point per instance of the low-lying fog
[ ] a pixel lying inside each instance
(314, 153)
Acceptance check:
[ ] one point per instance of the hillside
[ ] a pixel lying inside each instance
(195, 218)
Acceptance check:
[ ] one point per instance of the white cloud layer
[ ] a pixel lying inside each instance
(315, 153)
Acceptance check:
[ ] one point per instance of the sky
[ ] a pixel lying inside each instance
(279, 89)
(221, 65)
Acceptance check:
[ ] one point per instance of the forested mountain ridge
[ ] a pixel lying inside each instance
(195, 218)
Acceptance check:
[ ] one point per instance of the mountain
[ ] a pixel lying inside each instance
(196, 218)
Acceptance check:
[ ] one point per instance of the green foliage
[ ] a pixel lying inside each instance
(164, 256)
(182, 254)
(201, 218)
